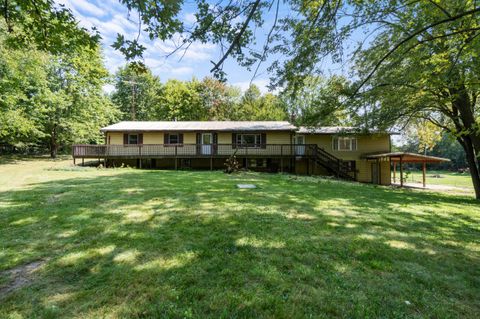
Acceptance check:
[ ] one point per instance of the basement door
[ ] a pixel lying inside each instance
(299, 141)
(207, 143)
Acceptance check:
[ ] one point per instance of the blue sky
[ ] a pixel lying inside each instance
(110, 18)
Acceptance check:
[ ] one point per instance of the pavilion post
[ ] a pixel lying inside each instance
(401, 171)
(424, 171)
(394, 172)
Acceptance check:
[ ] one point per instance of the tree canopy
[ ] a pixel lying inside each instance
(49, 101)
(141, 96)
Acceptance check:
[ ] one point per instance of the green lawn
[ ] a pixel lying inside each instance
(446, 178)
(126, 243)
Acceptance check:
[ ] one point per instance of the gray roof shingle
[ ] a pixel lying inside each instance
(200, 126)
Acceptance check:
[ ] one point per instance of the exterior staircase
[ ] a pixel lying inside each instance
(332, 164)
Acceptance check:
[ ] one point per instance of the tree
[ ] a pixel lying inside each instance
(449, 147)
(253, 106)
(136, 93)
(45, 26)
(52, 100)
(319, 102)
(74, 105)
(434, 76)
(180, 101)
(22, 80)
(428, 135)
(218, 99)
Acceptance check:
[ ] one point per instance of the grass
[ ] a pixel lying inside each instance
(446, 178)
(126, 243)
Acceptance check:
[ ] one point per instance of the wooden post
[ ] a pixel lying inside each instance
(74, 161)
(401, 171)
(211, 163)
(281, 164)
(83, 161)
(379, 171)
(394, 172)
(424, 170)
(308, 167)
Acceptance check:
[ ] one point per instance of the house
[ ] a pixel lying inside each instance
(273, 146)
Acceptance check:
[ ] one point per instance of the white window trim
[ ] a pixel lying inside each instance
(336, 140)
(256, 144)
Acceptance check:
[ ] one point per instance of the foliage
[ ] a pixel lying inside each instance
(136, 93)
(257, 107)
(319, 102)
(422, 136)
(433, 77)
(447, 147)
(142, 94)
(295, 247)
(46, 26)
(218, 99)
(52, 100)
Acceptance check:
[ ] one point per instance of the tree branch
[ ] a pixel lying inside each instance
(441, 8)
(408, 38)
(265, 48)
(237, 38)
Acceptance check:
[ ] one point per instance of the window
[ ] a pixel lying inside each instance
(173, 139)
(342, 143)
(132, 138)
(252, 140)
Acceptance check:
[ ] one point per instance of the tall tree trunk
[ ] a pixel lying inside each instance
(53, 144)
(472, 164)
(466, 125)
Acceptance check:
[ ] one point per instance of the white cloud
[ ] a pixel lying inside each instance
(108, 88)
(83, 6)
(110, 17)
(183, 70)
(190, 18)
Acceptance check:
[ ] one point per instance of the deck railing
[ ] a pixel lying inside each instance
(189, 150)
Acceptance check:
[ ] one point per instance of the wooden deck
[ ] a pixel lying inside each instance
(191, 150)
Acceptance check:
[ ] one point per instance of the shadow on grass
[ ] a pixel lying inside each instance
(189, 244)
(14, 159)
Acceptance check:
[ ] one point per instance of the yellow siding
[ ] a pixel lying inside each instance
(365, 144)
(115, 138)
(152, 138)
(224, 138)
(278, 138)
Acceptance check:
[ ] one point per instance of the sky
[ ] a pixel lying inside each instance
(110, 18)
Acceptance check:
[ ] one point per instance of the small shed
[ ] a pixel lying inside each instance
(405, 157)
